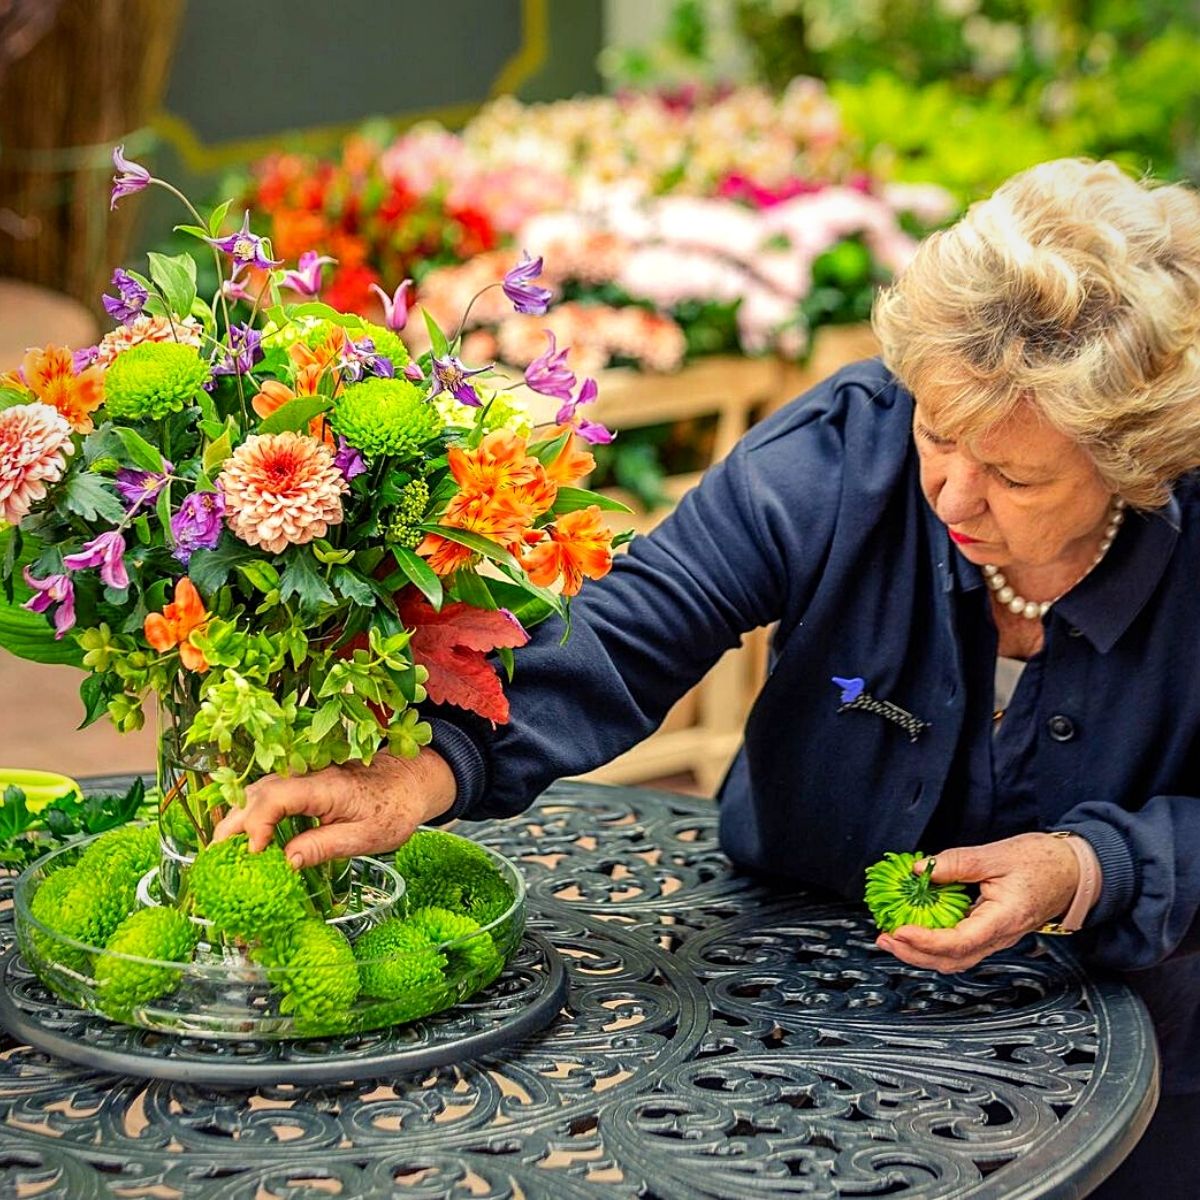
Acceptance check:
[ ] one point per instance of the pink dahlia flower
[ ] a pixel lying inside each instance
(34, 442)
(281, 489)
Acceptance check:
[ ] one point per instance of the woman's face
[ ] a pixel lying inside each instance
(1022, 495)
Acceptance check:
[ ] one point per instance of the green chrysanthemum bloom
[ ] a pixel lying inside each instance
(159, 933)
(50, 907)
(153, 379)
(120, 857)
(897, 897)
(403, 520)
(385, 417)
(445, 871)
(243, 894)
(318, 975)
(385, 343)
(470, 952)
(397, 960)
(82, 904)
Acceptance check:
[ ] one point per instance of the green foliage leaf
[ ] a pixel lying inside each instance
(416, 571)
(528, 608)
(547, 452)
(295, 414)
(282, 314)
(209, 569)
(570, 499)
(196, 231)
(259, 575)
(302, 580)
(437, 338)
(85, 495)
(162, 508)
(217, 217)
(216, 452)
(15, 817)
(140, 452)
(95, 691)
(10, 396)
(351, 585)
(175, 277)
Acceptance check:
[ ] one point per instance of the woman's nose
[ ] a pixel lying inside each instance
(961, 496)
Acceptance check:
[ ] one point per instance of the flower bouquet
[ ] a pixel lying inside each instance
(291, 536)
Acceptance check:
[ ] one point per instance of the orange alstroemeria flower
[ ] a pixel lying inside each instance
(500, 461)
(176, 623)
(501, 518)
(579, 544)
(50, 375)
(571, 464)
(325, 355)
(274, 395)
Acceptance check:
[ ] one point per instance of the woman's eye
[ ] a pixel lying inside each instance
(933, 439)
(1012, 483)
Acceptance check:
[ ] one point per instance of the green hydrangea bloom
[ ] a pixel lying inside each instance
(122, 984)
(401, 528)
(396, 960)
(385, 343)
(471, 954)
(450, 872)
(243, 894)
(385, 417)
(318, 975)
(153, 379)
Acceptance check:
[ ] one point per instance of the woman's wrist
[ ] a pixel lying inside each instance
(1087, 890)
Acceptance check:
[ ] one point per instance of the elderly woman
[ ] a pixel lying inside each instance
(982, 559)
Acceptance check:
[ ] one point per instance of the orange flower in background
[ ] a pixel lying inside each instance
(571, 464)
(176, 623)
(294, 231)
(579, 544)
(50, 376)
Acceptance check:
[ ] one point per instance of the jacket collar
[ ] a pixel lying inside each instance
(1105, 602)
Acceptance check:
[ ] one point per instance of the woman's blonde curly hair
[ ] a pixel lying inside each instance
(1073, 286)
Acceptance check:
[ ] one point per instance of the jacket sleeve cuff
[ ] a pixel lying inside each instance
(1118, 866)
(467, 763)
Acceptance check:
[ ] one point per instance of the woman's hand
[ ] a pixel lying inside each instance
(1024, 882)
(362, 810)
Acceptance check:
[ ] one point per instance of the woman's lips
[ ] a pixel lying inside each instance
(963, 540)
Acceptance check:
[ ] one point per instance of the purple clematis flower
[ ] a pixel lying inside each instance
(395, 306)
(142, 487)
(130, 298)
(106, 551)
(197, 524)
(518, 286)
(245, 349)
(307, 280)
(82, 359)
(360, 358)
(549, 374)
(54, 589)
(245, 248)
(450, 375)
(414, 373)
(348, 460)
(590, 431)
(132, 177)
(234, 288)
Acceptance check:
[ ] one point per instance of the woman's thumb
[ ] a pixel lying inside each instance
(315, 846)
(958, 865)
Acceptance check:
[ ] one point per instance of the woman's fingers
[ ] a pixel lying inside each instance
(271, 799)
(989, 927)
(339, 840)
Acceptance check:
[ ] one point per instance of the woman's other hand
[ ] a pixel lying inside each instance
(362, 809)
(1024, 882)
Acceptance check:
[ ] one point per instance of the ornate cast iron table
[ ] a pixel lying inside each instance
(720, 1039)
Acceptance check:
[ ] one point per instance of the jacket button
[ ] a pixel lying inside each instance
(1062, 728)
(1074, 631)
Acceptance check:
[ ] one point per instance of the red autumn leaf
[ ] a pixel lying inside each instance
(453, 644)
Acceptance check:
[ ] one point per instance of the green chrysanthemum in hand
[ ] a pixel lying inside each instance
(164, 934)
(385, 417)
(317, 972)
(149, 381)
(445, 871)
(246, 894)
(396, 960)
(897, 897)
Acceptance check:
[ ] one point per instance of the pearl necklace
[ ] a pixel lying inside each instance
(1035, 610)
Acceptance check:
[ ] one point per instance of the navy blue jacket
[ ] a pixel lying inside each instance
(816, 523)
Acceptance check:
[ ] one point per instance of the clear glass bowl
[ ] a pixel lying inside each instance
(225, 992)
